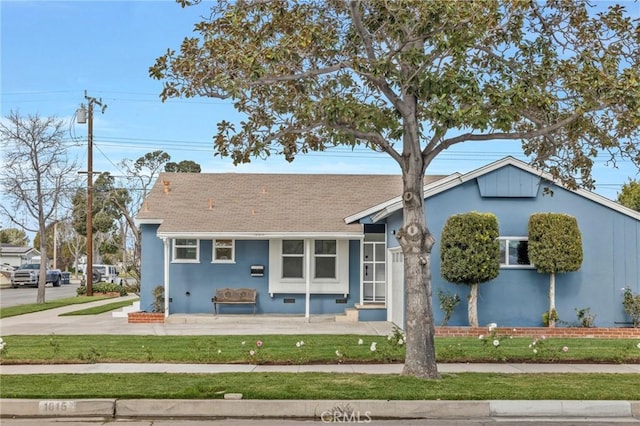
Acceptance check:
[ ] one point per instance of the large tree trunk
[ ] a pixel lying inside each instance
(552, 299)
(472, 308)
(416, 243)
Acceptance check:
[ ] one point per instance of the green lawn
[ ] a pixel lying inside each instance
(286, 349)
(12, 311)
(306, 349)
(467, 386)
(101, 308)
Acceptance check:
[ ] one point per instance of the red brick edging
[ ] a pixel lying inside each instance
(146, 317)
(596, 332)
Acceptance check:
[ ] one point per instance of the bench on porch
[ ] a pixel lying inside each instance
(234, 296)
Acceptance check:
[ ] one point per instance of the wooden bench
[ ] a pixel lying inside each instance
(234, 296)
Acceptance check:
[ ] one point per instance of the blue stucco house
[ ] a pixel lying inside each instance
(325, 244)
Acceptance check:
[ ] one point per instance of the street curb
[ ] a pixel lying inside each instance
(325, 410)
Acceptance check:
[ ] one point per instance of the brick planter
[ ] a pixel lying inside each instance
(145, 317)
(579, 332)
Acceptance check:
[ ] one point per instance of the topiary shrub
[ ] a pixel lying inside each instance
(470, 254)
(555, 245)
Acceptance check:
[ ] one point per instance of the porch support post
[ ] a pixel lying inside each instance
(307, 259)
(167, 258)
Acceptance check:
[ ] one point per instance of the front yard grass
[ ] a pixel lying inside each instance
(465, 386)
(101, 308)
(29, 308)
(302, 349)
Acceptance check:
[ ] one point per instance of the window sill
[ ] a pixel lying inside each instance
(372, 305)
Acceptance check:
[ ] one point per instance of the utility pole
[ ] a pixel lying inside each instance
(82, 118)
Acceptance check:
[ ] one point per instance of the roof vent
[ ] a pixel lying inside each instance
(166, 186)
(210, 203)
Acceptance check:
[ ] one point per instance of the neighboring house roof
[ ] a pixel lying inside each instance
(13, 250)
(385, 209)
(252, 205)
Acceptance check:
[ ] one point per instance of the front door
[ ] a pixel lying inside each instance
(374, 263)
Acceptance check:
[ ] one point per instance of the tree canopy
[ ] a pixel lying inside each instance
(14, 236)
(629, 195)
(411, 79)
(184, 166)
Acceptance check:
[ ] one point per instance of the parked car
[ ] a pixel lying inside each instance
(29, 274)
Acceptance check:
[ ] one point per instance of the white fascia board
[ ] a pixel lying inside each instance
(428, 190)
(139, 222)
(261, 235)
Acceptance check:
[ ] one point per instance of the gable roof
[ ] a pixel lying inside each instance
(386, 209)
(200, 205)
(13, 250)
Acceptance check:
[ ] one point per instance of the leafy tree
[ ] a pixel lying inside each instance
(106, 213)
(555, 246)
(629, 196)
(470, 254)
(14, 236)
(412, 79)
(185, 166)
(36, 175)
(141, 174)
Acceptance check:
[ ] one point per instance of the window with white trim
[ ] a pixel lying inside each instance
(292, 258)
(514, 252)
(325, 259)
(186, 250)
(223, 251)
(322, 264)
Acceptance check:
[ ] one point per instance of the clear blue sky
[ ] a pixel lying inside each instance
(52, 51)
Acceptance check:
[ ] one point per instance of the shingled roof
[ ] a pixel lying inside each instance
(200, 204)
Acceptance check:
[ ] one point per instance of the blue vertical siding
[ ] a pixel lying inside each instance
(151, 267)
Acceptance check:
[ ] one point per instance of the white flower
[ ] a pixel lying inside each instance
(219, 351)
(496, 343)
(301, 343)
(535, 351)
(400, 342)
(338, 354)
(492, 326)
(565, 349)
(373, 346)
(389, 337)
(1, 341)
(298, 344)
(638, 346)
(243, 343)
(481, 336)
(529, 346)
(360, 341)
(252, 352)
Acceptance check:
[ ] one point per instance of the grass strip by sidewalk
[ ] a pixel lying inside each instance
(464, 386)
(11, 311)
(300, 349)
(102, 308)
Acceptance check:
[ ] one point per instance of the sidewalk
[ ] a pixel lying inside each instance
(48, 322)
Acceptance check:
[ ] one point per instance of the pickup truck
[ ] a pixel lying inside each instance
(27, 275)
